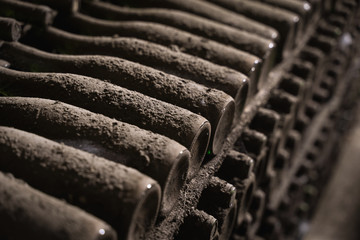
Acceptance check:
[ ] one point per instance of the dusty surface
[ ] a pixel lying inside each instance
(287, 23)
(149, 54)
(170, 37)
(116, 70)
(116, 102)
(197, 98)
(150, 153)
(225, 34)
(38, 222)
(27, 12)
(211, 11)
(106, 189)
(236, 164)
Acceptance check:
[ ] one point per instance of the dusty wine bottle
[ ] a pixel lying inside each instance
(306, 72)
(292, 141)
(265, 121)
(271, 152)
(311, 108)
(236, 165)
(173, 38)
(152, 154)
(156, 56)
(242, 40)
(26, 213)
(286, 127)
(301, 122)
(244, 192)
(129, 201)
(219, 200)
(262, 164)
(287, 23)
(214, 105)
(303, 69)
(243, 179)
(27, 12)
(244, 227)
(254, 141)
(221, 192)
(286, 123)
(198, 225)
(67, 6)
(142, 79)
(185, 127)
(228, 219)
(257, 208)
(282, 161)
(216, 13)
(298, 6)
(302, 8)
(10, 29)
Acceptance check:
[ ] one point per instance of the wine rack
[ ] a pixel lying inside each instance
(192, 119)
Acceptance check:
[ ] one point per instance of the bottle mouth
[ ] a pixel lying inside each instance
(223, 126)
(199, 147)
(146, 212)
(175, 181)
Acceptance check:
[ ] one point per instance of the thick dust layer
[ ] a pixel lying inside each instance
(108, 190)
(38, 220)
(237, 38)
(148, 152)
